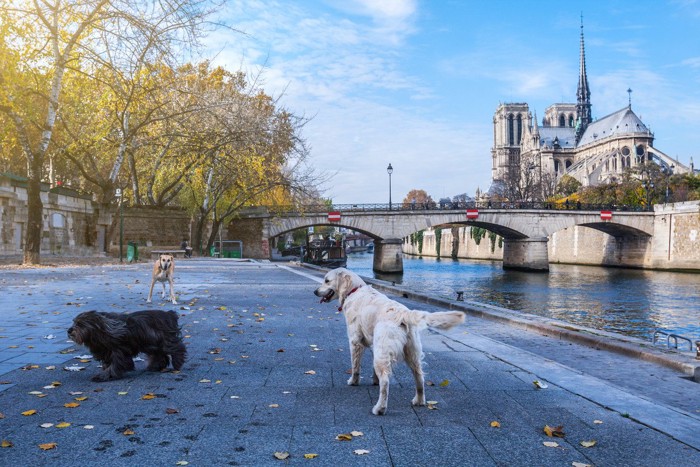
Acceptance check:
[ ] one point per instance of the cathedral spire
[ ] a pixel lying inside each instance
(583, 93)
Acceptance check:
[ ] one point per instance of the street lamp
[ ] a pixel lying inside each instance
(120, 197)
(667, 171)
(649, 187)
(390, 170)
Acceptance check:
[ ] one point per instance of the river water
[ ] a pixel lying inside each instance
(626, 301)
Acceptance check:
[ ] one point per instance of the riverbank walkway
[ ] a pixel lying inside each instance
(264, 383)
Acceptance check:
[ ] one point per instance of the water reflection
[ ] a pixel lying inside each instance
(628, 301)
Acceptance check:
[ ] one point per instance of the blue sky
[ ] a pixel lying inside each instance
(415, 83)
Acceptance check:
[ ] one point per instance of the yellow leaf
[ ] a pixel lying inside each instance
(361, 452)
(6, 444)
(26, 413)
(56, 383)
(81, 398)
(495, 424)
(357, 433)
(310, 456)
(540, 384)
(63, 425)
(128, 432)
(588, 444)
(557, 432)
(344, 437)
(551, 444)
(47, 446)
(122, 393)
(148, 396)
(281, 455)
(71, 405)
(444, 383)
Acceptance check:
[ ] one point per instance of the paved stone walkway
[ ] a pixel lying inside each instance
(266, 373)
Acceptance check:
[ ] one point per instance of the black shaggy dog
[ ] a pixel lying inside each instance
(116, 338)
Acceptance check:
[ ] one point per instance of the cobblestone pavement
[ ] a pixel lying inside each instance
(266, 374)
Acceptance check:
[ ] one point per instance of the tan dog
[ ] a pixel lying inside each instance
(163, 270)
(391, 329)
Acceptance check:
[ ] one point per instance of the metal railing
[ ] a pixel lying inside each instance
(454, 206)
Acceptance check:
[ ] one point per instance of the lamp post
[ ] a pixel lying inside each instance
(667, 171)
(390, 170)
(120, 197)
(648, 186)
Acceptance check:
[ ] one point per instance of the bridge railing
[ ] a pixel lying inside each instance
(452, 206)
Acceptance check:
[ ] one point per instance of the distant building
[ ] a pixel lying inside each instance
(569, 141)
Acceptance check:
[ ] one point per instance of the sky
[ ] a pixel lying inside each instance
(415, 83)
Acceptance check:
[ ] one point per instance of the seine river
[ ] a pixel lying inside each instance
(626, 301)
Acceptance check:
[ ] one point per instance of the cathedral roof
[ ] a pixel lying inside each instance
(622, 122)
(564, 136)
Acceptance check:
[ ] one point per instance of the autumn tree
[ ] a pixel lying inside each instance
(45, 42)
(421, 197)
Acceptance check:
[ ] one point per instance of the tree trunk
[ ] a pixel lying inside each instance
(35, 212)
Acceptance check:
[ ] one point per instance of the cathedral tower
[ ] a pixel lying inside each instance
(583, 94)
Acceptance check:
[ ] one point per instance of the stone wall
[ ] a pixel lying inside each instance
(249, 232)
(151, 228)
(72, 223)
(457, 242)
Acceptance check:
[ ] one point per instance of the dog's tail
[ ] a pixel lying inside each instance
(440, 319)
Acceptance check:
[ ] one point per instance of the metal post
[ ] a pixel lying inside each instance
(389, 170)
(121, 226)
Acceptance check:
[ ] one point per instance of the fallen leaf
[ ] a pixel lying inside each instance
(588, 444)
(357, 433)
(181, 463)
(35, 393)
(148, 396)
(598, 422)
(540, 384)
(128, 432)
(47, 446)
(361, 452)
(205, 380)
(281, 455)
(51, 367)
(310, 456)
(551, 444)
(74, 368)
(310, 372)
(171, 411)
(89, 427)
(122, 393)
(2, 415)
(75, 393)
(6, 444)
(495, 424)
(27, 413)
(63, 425)
(557, 432)
(46, 425)
(71, 405)
(580, 464)
(444, 383)
(81, 398)
(273, 406)
(344, 437)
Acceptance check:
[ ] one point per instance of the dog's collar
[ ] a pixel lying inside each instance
(340, 308)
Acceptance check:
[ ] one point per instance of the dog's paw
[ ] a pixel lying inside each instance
(174, 302)
(418, 400)
(148, 300)
(378, 410)
(354, 381)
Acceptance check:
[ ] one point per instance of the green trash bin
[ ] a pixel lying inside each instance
(132, 252)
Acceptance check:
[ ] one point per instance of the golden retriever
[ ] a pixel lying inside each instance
(163, 271)
(391, 329)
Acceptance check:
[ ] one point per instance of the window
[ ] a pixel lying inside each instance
(625, 150)
(571, 121)
(520, 129)
(562, 120)
(511, 136)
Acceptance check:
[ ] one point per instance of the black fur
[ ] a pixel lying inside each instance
(116, 338)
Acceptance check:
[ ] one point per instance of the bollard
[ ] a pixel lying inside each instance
(697, 350)
(460, 296)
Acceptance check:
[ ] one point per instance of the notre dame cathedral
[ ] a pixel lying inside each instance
(569, 141)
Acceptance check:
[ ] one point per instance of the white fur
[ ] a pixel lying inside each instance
(391, 329)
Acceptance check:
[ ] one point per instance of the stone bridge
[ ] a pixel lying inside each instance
(525, 227)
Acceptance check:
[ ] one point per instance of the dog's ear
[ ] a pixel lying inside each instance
(344, 284)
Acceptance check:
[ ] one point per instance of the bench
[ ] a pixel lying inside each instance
(168, 252)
